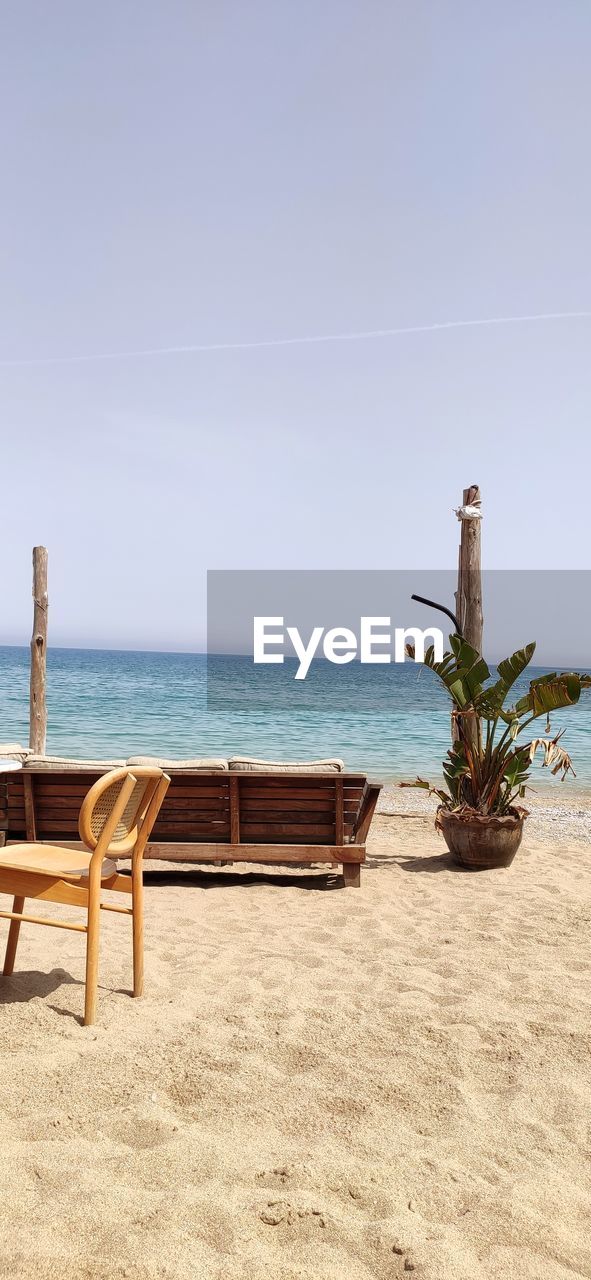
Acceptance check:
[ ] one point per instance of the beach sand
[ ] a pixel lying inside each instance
(320, 1084)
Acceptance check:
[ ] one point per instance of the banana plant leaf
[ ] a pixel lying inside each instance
(455, 769)
(516, 770)
(490, 702)
(456, 766)
(422, 785)
(551, 693)
(462, 671)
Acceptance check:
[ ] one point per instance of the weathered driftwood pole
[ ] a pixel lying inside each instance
(38, 706)
(469, 601)
(469, 592)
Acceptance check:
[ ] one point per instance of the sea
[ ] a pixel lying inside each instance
(391, 721)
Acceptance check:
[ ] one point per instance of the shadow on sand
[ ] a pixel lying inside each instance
(27, 984)
(430, 864)
(218, 878)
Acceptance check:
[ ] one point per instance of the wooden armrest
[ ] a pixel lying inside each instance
(369, 801)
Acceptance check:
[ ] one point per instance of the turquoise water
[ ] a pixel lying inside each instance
(392, 721)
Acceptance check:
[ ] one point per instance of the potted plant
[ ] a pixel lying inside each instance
(487, 768)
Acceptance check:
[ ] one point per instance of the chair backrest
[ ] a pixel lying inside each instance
(120, 809)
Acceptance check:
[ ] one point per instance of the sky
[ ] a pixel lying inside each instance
(223, 175)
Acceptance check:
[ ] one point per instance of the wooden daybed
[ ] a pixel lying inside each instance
(215, 811)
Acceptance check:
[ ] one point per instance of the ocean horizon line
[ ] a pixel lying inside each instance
(288, 658)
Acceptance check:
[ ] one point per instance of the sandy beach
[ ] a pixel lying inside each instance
(319, 1084)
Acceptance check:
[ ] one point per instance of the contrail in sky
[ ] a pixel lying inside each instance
(306, 340)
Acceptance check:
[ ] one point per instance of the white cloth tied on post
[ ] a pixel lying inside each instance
(469, 513)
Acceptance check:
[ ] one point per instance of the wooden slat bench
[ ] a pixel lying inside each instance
(261, 817)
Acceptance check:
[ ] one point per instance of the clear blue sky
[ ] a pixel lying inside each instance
(200, 173)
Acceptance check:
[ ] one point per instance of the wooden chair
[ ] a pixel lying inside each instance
(115, 819)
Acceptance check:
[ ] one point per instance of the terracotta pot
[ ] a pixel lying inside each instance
(481, 842)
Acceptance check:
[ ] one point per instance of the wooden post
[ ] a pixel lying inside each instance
(38, 706)
(469, 592)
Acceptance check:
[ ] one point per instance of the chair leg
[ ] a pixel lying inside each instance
(92, 955)
(13, 932)
(137, 902)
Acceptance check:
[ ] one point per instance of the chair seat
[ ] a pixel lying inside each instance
(52, 860)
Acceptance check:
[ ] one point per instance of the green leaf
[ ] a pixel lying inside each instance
(516, 770)
(446, 799)
(491, 701)
(511, 668)
(456, 764)
(548, 694)
(455, 770)
(462, 671)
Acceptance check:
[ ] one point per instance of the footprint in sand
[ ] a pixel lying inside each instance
(142, 1132)
(279, 1175)
(281, 1211)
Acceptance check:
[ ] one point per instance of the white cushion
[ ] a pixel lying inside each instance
(49, 764)
(13, 751)
(200, 764)
(248, 764)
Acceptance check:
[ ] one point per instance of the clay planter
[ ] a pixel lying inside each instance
(481, 842)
